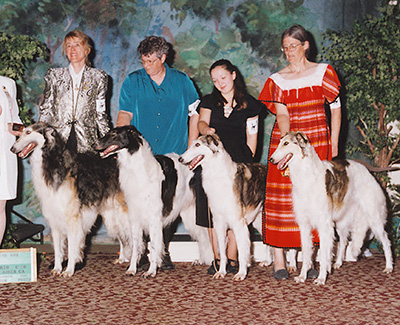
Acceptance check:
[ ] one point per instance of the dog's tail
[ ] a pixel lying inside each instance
(375, 169)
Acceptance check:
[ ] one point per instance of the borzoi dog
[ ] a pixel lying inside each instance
(73, 189)
(157, 191)
(326, 193)
(235, 194)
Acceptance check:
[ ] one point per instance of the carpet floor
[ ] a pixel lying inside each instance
(100, 293)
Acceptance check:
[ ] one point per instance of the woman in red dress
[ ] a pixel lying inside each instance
(297, 96)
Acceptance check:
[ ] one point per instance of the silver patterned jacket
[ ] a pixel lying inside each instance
(88, 113)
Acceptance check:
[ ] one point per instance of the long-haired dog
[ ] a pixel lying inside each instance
(329, 193)
(73, 189)
(235, 194)
(157, 191)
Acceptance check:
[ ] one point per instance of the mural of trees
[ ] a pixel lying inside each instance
(247, 32)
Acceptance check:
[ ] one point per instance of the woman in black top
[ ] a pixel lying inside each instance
(232, 113)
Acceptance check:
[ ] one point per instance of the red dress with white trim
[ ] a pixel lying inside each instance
(305, 100)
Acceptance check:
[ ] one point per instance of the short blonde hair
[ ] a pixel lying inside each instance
(85, 41)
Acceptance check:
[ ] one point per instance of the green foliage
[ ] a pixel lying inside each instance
(262, 23)
(205, 9)
(369, 59)
(8, 242)
(199, 48)
(16, 51)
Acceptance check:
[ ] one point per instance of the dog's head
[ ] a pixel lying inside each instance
(204, 146)
(293, 144)
(34, 137)
(123, 137)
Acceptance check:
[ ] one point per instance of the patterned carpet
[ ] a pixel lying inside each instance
(100, 293)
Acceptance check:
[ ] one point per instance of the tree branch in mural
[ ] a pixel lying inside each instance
(16, 51)
(369, 57)
(259, 23)
(206, 9)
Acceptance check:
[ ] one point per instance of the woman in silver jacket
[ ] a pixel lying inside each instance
(74, 100)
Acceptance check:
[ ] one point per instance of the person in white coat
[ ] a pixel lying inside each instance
(8, 161)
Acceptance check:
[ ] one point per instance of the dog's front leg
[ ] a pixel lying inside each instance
(341, 247)
(291, 255)
(242, 236)
(220, 229)
(268, 256)
(58, 244)
(76, 242)
(257, 223)
(306, 249)
(156, 248)
(137, 246)
(326, 233)
(124, 251)
(198, 233)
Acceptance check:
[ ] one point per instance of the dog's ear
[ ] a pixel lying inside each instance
(133, 139)
(213, 140)
(133, 130)
(49, 132)
(302, 139)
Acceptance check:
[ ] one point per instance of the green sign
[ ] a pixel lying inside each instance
(18, 265)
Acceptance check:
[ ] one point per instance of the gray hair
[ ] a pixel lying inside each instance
(298, 32)
(153, 44)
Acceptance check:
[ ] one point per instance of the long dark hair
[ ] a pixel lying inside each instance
(298, 32)
(239, 87)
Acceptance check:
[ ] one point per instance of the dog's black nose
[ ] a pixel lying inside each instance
(180, 160)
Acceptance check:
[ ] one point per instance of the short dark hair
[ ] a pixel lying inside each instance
(153, 44)
(239, 87)
(298, 32)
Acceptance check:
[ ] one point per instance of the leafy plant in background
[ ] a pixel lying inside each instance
(206, 9)
(16, 51)
(8, 242)
(369, 59)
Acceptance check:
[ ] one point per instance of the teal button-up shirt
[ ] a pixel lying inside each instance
(160, 112)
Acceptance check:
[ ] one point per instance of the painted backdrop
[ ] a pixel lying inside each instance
(247, 32)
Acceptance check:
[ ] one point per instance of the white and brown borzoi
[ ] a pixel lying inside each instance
(235, 194)
(329, 193)
(73, 189)
(157, 191)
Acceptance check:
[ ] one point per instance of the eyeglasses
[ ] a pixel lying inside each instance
(291, 47)
(149, 62)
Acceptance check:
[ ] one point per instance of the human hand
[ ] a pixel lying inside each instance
(210, 131)
(15, 128)
(335, 150)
